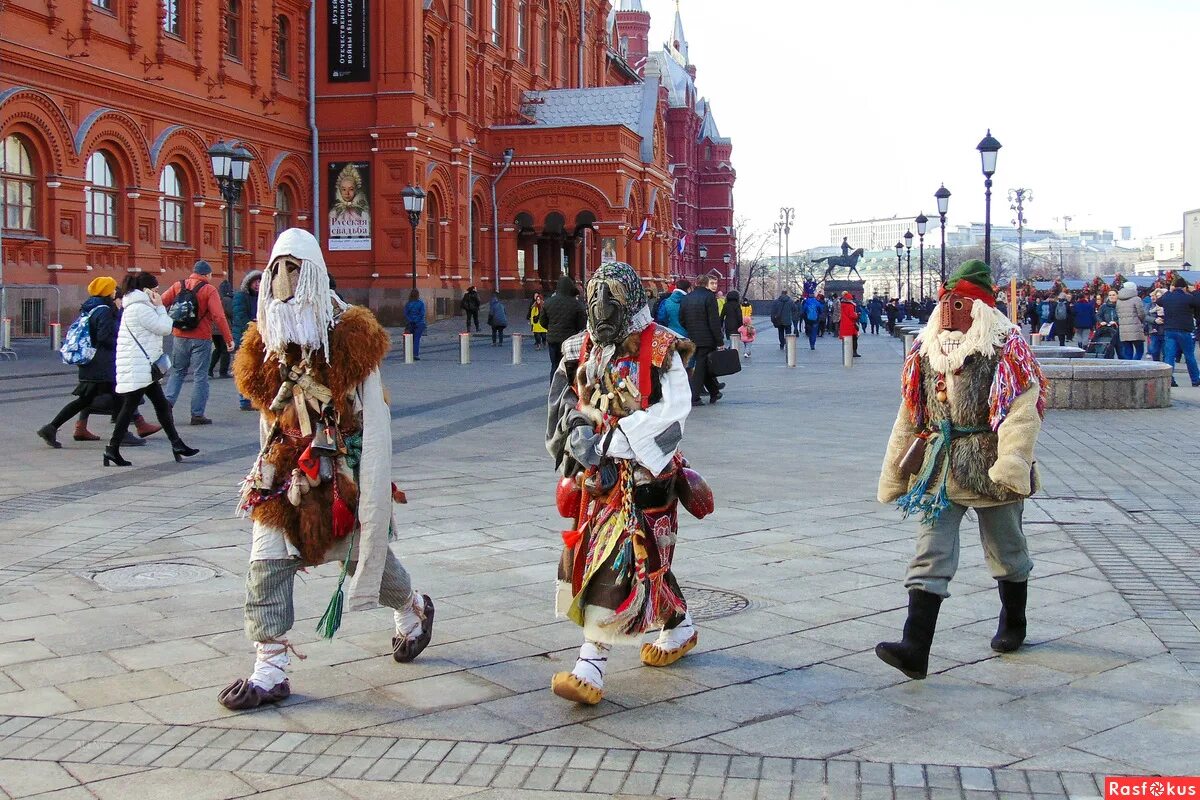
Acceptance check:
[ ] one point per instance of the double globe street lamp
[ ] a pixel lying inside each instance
(231, 168)
(414, 204)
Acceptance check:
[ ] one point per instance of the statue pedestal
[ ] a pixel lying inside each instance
(837, 287)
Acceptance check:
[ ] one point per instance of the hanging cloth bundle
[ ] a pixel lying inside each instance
(929, 496)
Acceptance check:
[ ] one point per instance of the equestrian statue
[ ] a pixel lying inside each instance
(848, 258)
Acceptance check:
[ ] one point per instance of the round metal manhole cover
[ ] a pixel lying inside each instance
(152, 576)
(706, 603)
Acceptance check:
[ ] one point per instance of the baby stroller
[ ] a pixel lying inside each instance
(1104, 343)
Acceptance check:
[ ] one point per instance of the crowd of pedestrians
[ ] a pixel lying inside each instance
(1160, 323)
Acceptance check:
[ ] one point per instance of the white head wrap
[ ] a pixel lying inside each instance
(311, 294)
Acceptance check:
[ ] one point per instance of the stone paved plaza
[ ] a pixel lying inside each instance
(108, 678)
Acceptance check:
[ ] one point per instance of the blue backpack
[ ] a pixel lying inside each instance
(77, 347)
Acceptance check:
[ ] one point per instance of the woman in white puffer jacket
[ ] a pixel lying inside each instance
(144, 323)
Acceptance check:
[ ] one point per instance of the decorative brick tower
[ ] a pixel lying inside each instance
(633, 27)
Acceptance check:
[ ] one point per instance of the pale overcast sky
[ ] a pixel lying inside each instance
(859, 108)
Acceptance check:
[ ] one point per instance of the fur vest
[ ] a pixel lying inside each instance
(357, 345)
(971, 455)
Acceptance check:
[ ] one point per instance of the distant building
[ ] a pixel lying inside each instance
(1191, 237)
(1165, 252)
(880, 233)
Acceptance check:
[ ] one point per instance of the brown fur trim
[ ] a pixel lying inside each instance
(686, 350)
(254, 380)
(359, 344)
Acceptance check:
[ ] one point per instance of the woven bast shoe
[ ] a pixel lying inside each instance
(654, 655)
(570, 687)
(242, 695)
(405, 649)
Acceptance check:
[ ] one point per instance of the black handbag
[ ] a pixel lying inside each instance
(724, 362)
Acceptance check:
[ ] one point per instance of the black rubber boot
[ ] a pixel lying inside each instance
(1011, 633)
(911, 655)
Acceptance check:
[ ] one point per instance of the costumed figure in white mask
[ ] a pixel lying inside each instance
(320, 489)
(617, 406)
(973, 400)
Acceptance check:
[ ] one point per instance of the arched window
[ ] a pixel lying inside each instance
(233, 29)
(283, 28)
(498, 22)
(476, 221)
(17, 183)
(285, 209)
(430, 70)
(544, 40)
(523, 31)
(433, 218)
(564, 52)
(100, 197)
(171, 206)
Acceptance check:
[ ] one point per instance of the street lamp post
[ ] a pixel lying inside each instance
(787, 216)
(899, 277)
(414, 204)
(942, 196)
(729, 281)
(231, 167)
(988, 149)
(908, 254)
(778, 228)
(1017, 199)
(921, 221)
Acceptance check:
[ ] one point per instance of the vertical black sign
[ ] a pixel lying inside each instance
(349, 38)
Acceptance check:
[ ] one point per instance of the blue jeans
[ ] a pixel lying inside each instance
(188, 354)
(1182, 342)
(1155, 347)
(1132, 351)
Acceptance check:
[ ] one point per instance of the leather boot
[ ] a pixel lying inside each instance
(911, 655)
(82, 434)
(1011, 633)
(144, 427)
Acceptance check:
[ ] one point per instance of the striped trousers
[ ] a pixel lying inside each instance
(270, 613)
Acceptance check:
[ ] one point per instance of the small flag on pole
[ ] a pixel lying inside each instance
(642, 230)
(682, 243)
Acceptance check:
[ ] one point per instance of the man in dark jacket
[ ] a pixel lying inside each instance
(470, 305)
(1084, 319)
(698, 313)
(564, 316)
(1180, 307)
(781, 316)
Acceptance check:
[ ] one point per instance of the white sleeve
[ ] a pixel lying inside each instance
(651, 437)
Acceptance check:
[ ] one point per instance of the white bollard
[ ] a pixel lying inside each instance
(408, 348)
(1035, 339)
(909, 338)
(464, 348)
(847, 351)
(791, 350)
(6, 334)
(517, 340)
(55, 335)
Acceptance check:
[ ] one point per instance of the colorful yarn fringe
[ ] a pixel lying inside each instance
(910, 385)
(1015, 372)
(919, 498)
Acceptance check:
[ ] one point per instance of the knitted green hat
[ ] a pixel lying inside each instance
(974, 279)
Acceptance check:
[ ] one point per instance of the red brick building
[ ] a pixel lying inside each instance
(107, 107)
(106, 110)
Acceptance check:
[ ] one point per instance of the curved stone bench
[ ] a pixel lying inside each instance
(1045, 351)
(1084, 383)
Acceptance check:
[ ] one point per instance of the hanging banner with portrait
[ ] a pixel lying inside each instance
(349, 41)
(349, 205)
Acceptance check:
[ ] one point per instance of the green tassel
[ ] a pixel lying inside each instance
(331, 620)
